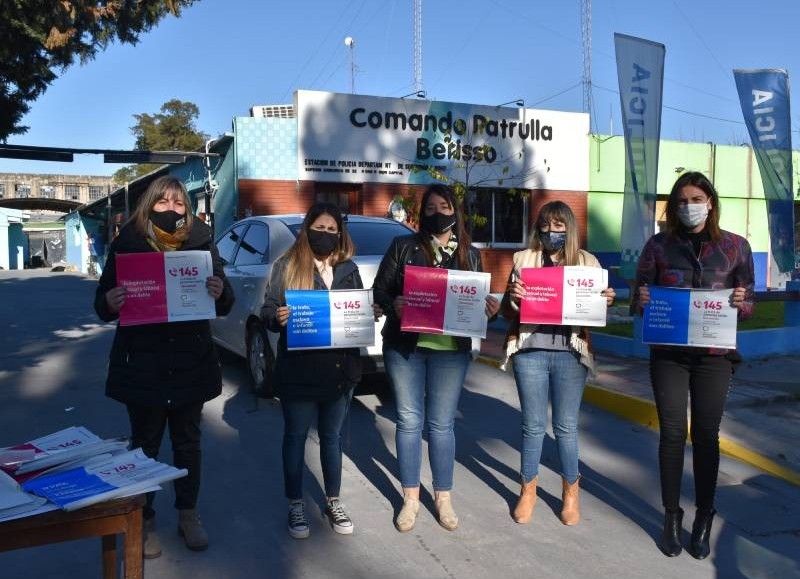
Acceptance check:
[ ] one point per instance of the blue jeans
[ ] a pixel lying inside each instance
(556, 375)
(427, 385)
(298, 415)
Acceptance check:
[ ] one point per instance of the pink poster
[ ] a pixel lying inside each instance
(165, 287)
(144, 276)
(543, 299)
(425, 289)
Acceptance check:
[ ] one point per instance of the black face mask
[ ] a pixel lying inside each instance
(167, 221)
(322, 243)
(438, 223)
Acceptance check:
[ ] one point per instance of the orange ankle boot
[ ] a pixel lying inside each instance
(527, 500)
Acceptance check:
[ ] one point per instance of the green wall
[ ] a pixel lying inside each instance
(733, 170)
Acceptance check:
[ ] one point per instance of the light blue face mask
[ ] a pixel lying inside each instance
(553, 240)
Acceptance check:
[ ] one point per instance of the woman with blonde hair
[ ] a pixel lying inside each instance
(313, 383)
(164, 373)
(550, 362)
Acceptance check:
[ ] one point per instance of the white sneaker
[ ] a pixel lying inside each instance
(298, 525)
(340, 522)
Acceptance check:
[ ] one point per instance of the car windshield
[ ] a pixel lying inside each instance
(370, 238)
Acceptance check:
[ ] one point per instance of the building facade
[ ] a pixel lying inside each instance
(364, 153)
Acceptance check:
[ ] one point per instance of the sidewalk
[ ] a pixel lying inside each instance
(760, 424)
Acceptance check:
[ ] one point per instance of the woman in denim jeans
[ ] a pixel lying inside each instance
(693, 252)
(550, 362)
(313, 383)
(426, 371)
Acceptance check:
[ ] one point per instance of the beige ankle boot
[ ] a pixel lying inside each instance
(151, 546)
(527, 500)
(190, 527)
(444, 511)
(570, 511)
(407, 517)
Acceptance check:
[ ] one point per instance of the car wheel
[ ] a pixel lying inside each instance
(260, 360)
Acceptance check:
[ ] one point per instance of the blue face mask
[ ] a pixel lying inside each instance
(553, 240)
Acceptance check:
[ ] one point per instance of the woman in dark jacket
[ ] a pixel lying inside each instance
(426, 371)
(693, 253)
(313, 383)
(164, 372)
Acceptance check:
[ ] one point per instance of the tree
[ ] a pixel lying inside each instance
(172, 129)
(468, 175)
(39, 39)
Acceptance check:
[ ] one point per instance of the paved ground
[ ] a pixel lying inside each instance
(52, 366)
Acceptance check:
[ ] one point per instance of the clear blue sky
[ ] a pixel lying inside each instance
(227, 55)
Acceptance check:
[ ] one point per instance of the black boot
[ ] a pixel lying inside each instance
(701, 531)
(670, 543)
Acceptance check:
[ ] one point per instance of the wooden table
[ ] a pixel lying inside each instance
(106, 520)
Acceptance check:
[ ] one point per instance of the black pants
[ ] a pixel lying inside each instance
(147, 430)
(706, 379)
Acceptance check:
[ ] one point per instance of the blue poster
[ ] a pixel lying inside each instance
(68, 487)
(309, 323)
(640, 73)
(690, 317)
(764, 96)
(329, 319)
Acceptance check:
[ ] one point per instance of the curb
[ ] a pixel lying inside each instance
(643, 411)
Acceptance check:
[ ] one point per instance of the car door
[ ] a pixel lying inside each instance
(250, 265)
(227, 245)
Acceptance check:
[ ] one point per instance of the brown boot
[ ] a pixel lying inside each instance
(527, 500)
(190, 527)
(570, 511)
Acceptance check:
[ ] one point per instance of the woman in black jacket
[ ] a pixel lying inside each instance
(427, 371)
(164, 373)
(313, 383)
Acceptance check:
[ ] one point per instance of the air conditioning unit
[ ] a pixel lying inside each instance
(279, 111)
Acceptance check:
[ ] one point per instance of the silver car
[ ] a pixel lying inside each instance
(249, 248)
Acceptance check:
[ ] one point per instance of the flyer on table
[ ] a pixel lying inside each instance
(165, 287)
(690, 317)
(329, 319)
(445, 301)
(564, 296)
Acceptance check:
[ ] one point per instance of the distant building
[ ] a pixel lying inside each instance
(79, 188)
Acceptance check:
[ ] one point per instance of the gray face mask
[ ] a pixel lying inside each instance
(693, 214)
(553, 240)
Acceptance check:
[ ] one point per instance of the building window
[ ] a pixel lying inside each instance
(497, 216)
(72, 192)
(47, 192)
(2, 190)
(22, 190)
(96, 192)
(339, 198)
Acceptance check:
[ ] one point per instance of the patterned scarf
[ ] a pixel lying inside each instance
(160, 240)
(443, 252)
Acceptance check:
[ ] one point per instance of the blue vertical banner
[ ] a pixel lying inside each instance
(640, 72)
(764, 96)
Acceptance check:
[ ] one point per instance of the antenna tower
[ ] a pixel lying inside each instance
(586, 39)
(417, 45)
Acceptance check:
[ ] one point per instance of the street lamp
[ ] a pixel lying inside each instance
(518, 102)
(420, 94)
